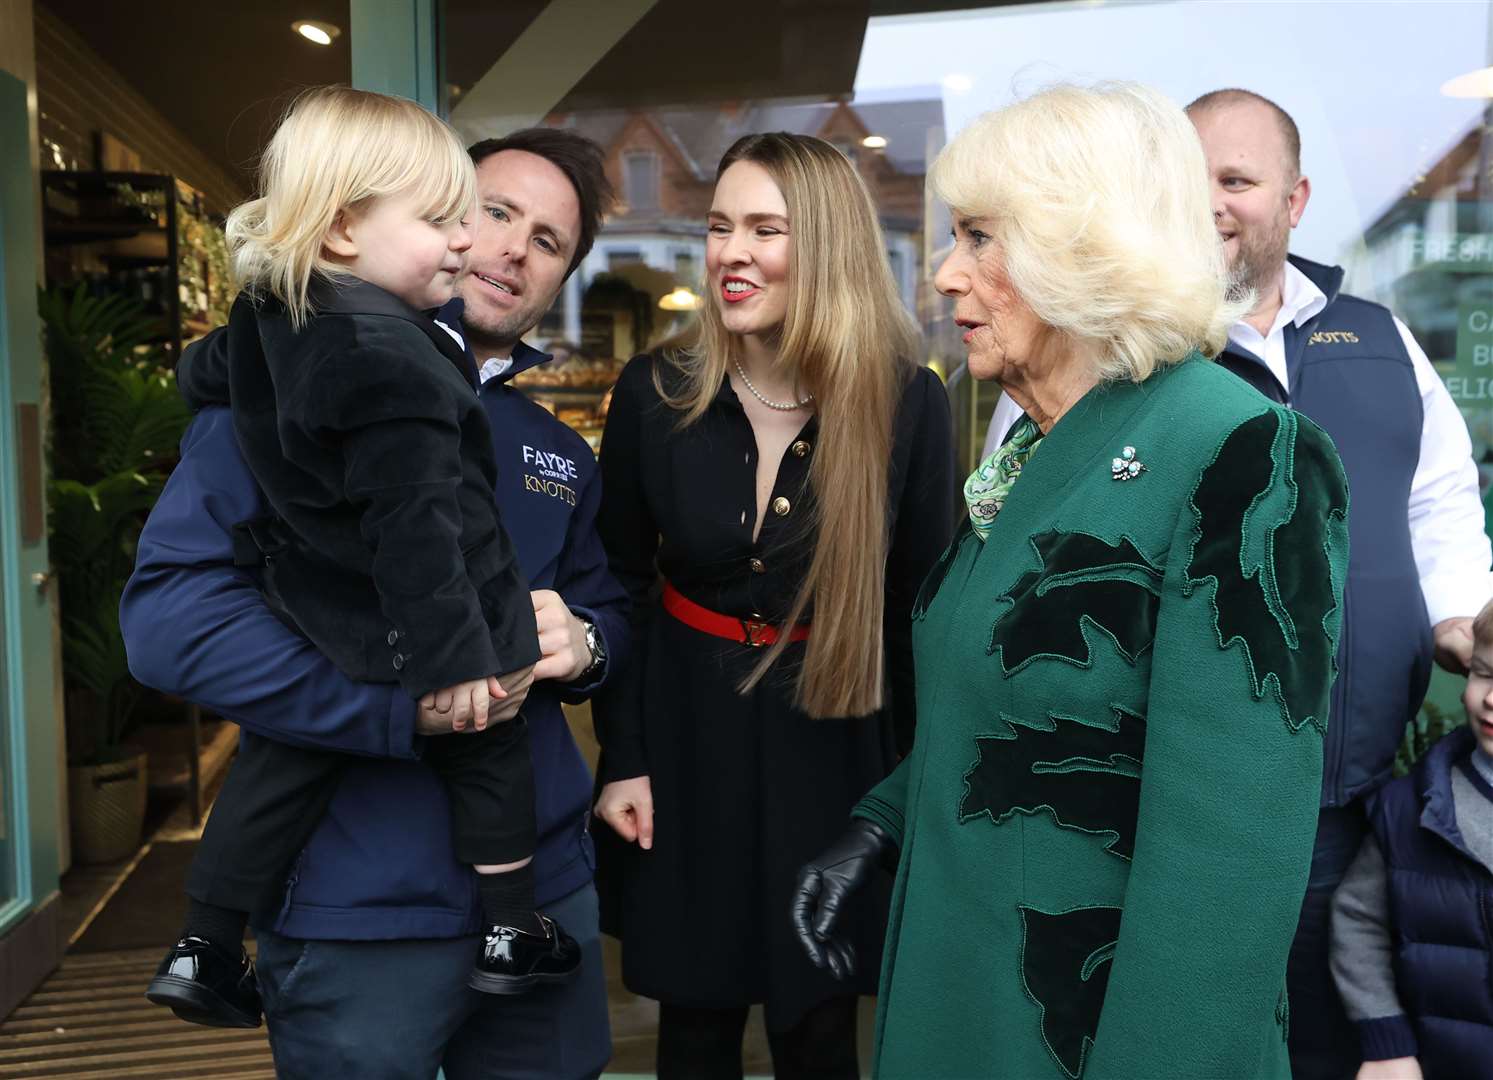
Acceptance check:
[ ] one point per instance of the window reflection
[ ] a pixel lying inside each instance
(1429, 257)
(663, 162)
(1395, 163)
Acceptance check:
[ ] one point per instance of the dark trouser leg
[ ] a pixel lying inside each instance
(1323, 1042)
(558, 1031)
(375, 1010)
(490, 779)
(270, 804)
(821, 1046)
(700, 1044)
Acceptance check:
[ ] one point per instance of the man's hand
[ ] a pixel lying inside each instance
(562, 639)
(1453, 641)
(502, 697)
(511, 690)
(627, 806)
(1391, 1069)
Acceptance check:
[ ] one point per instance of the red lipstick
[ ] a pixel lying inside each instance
(737, 296)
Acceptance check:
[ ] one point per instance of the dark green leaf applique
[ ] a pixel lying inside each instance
(1269, 509)
(1086, 777)
(935, 579)
(1112, 586)
(1065, 963)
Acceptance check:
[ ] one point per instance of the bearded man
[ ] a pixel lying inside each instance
(1418, 564)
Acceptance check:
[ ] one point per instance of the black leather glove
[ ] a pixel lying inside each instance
(827, 882)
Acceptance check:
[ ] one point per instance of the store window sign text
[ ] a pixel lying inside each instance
(1471, 252)
(1471, 380)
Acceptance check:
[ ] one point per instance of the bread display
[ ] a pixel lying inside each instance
(576, 389)
(575, 372)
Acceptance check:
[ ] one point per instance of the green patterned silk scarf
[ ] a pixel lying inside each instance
(989, 486)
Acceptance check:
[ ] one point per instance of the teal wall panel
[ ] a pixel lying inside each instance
(31, 711)
(396, 49)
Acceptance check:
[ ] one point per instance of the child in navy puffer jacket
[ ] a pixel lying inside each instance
(1412, 949)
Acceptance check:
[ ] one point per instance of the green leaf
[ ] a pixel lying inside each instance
(116, 422)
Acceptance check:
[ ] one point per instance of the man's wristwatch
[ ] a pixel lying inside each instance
(597, 650)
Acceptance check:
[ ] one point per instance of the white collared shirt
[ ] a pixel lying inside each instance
(492, 367)
(1452, 552)
(1301, 301)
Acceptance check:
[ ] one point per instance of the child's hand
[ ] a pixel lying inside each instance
(465, 702)
(488, 701)
(627, 806)
(1406, 1068)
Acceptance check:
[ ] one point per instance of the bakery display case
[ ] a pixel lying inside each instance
(616, 320)
(576, 388)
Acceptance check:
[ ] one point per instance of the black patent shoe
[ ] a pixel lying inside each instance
(514, 961)
(201, 983)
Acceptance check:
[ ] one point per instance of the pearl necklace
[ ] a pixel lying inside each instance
(781, 406)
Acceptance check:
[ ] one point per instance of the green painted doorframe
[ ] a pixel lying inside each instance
(396, 49)
(32, 781)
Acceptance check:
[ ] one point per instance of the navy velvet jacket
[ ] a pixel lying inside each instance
(364, 431)
(380, 865)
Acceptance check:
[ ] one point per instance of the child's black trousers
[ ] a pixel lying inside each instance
(275, 795)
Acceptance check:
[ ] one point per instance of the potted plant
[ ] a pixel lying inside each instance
(116, 421)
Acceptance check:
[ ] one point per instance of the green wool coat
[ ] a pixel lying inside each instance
(1107, 819)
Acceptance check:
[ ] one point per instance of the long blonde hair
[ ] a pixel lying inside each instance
(337, 149)
(846, 339)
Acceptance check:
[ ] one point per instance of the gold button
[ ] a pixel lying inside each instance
(800, 448)
(758, 566)
(781, 506)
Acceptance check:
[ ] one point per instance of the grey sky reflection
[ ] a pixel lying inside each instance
(1362, 79)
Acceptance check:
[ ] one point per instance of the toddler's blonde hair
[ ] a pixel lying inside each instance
(336, 150)
(1482, 627)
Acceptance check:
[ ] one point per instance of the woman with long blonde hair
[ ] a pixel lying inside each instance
(781, 487)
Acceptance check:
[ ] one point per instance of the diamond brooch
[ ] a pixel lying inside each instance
(1126, 467)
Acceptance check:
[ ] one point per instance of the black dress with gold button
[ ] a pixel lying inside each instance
(746, 788)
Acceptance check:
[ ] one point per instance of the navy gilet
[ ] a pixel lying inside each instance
(1440, 904)
(1351, 374)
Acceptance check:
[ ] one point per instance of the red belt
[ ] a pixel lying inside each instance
(753, 632)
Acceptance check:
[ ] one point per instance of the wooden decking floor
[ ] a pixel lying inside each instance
(90, 1019)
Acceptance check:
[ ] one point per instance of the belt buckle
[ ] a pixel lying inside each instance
(753, 633)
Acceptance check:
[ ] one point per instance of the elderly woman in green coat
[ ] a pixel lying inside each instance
(1103, 832)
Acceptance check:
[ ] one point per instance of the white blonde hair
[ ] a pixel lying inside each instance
(1098, 201)
(336, 150)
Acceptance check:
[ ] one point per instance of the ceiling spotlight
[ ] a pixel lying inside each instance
(874, 142)
(321, 33)
(1475, 84)
(681, 299)
(957, 83)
